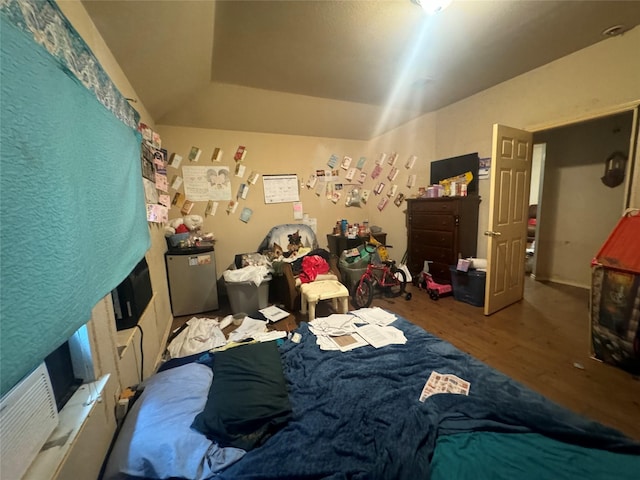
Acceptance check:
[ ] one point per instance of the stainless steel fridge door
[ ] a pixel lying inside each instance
(192, 283)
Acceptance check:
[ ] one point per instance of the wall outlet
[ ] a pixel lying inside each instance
(122, 407)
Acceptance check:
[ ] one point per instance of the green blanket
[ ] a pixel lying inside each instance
(525, 456)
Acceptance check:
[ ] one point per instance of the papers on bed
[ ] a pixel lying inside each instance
(344, 343)
(378, 336)
(345, 332)
(444, 383)
(254, 329)
(375, 315)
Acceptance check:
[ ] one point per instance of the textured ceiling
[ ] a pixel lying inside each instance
(346, 69)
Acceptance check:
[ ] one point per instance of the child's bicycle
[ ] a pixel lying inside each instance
(385, 274)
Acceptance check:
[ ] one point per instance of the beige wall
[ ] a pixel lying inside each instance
(571, 88)
(578, 211)
(574, 87)
(288, 154)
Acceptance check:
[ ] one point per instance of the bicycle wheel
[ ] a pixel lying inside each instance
(399, 289)
(362, 293)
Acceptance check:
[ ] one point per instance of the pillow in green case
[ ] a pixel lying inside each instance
(248, 399)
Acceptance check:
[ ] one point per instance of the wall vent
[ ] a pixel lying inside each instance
(28, 415)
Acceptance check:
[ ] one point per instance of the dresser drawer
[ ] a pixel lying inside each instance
(425, 221)
(421, 252)
(433, 238)
(437, 239)
(434, 206)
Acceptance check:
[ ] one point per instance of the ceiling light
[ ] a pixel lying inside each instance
(431, 7)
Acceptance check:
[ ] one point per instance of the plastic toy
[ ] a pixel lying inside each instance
(433, 288)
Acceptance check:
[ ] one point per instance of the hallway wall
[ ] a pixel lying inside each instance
(578, 211)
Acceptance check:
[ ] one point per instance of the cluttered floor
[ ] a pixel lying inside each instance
(541, 341)
(290, 323)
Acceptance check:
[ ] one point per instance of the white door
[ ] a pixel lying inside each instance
(508, 205)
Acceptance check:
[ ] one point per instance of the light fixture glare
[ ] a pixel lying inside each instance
(431, 7)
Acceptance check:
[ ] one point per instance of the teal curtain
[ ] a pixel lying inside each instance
(72, 211)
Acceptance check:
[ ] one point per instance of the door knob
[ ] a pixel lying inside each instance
(489, 233)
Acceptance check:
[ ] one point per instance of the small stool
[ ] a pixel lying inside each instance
(313, 292)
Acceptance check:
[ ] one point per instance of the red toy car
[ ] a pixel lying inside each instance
(433, 288)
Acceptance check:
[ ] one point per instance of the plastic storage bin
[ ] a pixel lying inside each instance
(468, 286)
(247, 296)
(352, 268)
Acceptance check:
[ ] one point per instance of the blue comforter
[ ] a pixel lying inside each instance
(357, 414)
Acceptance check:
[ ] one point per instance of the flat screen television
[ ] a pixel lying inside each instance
(454, 166)
(132, 296)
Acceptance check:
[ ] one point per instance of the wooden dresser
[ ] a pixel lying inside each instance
(440, 229)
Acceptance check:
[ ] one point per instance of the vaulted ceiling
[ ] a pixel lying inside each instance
(344, 69)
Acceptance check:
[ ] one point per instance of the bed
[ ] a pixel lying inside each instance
(357, 415)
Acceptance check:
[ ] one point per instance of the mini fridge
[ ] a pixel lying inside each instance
(191, 274)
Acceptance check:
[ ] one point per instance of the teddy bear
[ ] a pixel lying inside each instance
(186, 224)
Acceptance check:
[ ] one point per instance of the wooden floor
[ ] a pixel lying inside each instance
(542, 342)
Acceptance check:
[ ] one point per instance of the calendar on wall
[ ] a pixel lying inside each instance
(280, 188)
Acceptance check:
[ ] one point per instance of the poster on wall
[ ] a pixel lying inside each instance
(157, 213)
(484, 168)
(150, 191)
(146, 159)
(280, 188)
(245, 215)
(202, 184)
(154, 176)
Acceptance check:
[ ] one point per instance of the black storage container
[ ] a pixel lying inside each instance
(468, 286)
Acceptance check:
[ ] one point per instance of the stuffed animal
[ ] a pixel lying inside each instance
(193, 222)
(295, 243)
(273, 253)
(186, 224)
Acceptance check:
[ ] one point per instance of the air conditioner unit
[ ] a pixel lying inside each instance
(28, 415)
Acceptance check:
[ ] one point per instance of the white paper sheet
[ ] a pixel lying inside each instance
(273, 313)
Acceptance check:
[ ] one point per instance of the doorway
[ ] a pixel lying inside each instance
(537, 167)
(576, 211)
